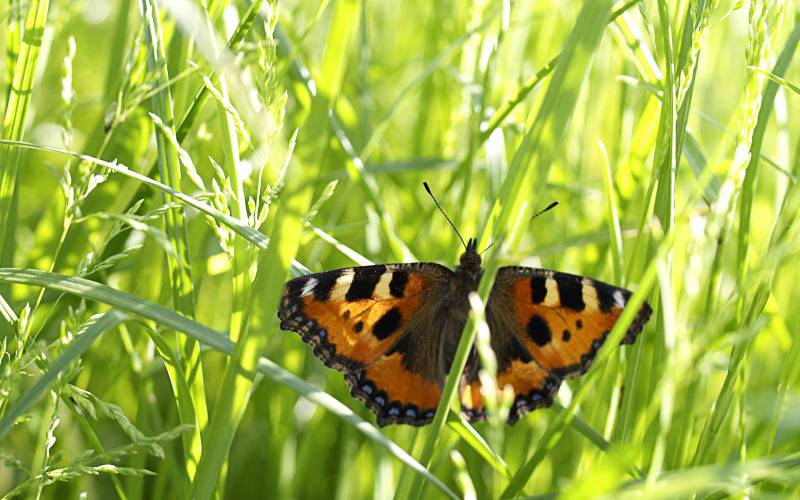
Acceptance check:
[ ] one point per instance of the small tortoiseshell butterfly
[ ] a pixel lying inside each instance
(393, 329)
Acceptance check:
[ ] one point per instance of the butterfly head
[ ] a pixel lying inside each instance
(470, 263)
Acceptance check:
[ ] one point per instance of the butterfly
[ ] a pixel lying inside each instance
(393, 329)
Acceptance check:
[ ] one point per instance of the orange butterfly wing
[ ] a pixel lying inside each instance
(356, 320)
(545, 326)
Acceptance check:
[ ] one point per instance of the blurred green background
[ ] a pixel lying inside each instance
(289, 137)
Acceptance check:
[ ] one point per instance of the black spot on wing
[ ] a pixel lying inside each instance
(404, 347)
(538, 289)
(398, 284)
(388, 324)
(570, 289)
(358, 326)
(364, 281)
(519, 352)
(539, 331)
(565, 336)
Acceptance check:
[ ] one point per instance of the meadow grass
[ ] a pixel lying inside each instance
(165, 166)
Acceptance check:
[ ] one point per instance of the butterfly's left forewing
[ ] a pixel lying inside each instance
(361, 320)
(545, 326)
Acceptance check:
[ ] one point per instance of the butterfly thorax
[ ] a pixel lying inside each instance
(464, 280)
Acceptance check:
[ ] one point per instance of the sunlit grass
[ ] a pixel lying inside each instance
(166, 166)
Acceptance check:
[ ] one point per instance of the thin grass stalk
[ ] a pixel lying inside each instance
(617, 266)
(683, 80)
(787, 219)
(432, 41)
(192, 410)
(239, 332)
(234, 392)
(666, 147)
(43, 446)
(13, 41)
(21, 72)
(748, 191)
(756, 144)
(662, 186)
(675, 105)
(748, 308)
(16, 112)
(481, 74)
(612, 213)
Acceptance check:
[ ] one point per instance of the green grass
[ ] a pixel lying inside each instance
(165, 168)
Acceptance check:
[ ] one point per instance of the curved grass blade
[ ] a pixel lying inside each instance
(481, 447)
(777, 79)
(91, 290)
(253, 236)
(333, 405)
(715, 479)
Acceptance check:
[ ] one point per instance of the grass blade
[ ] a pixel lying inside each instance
(14, 120)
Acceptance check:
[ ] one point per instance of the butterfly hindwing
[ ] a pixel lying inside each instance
(360, 321)
(556, 323)
(395, 392)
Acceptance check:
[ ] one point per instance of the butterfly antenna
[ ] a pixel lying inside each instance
(487, 248)
(428, 189)
(549, 207)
